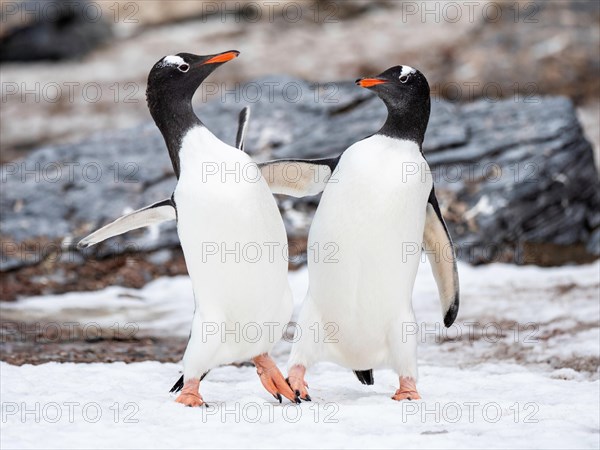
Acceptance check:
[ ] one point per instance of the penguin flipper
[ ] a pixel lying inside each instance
(365, 376)
(298, 177)
(155, 213)
(440, 252)
(242, 128)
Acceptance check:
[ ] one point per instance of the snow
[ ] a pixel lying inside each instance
(127, 406)
(499, 384)
(173, 60)
(407, 70)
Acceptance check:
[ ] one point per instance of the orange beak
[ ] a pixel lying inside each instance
(369, 82)
(222, 57)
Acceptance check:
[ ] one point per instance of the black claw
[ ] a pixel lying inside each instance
(297, 392)
(307, 398)
(297, 400)
(278, 397)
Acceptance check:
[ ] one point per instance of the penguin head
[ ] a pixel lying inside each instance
(405, 92)
(178, 76)
(398, 86)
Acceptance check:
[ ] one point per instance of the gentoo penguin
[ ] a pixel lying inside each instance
(242, 297)
(378, 206)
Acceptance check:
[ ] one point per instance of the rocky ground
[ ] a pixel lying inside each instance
(40, 351)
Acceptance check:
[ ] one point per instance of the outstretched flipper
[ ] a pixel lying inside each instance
(298, 177)
(156, 213)
(440, 252)
(242, 128)
(159, 212)
(295, 177)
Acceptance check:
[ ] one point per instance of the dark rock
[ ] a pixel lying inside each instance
(593, 245)
(513, 179)
(40, 30)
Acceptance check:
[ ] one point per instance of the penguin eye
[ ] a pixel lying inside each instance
(403, 78)
(184, 67)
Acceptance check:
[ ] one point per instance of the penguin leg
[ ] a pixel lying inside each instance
(197, 360)
(404, 355)
(272, 379)
(297, 382)
(407, 390)
(190, 394)
(306, 350)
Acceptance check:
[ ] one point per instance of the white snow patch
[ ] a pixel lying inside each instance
(128, 406)
(172, 60)
(406, 70)
(520, 389)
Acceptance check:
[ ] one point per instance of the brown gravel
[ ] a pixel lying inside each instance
(57, 276)
(103, 350)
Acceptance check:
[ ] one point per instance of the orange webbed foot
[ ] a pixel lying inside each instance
(296, 381)
(407, 390)
(190, 395)
(272, 379)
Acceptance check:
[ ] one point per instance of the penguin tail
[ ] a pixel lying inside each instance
(177, 386)
(365, 376)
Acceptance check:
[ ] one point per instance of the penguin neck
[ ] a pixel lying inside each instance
(406, 121)
(174, 117)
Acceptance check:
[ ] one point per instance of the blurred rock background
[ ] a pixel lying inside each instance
(513, 83)
(503, 49)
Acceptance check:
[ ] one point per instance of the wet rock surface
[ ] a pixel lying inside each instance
(516, 182)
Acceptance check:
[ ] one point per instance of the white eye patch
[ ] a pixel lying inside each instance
(406, 70)
(172, 60)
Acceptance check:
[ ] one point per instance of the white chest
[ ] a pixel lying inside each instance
(381, 175)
